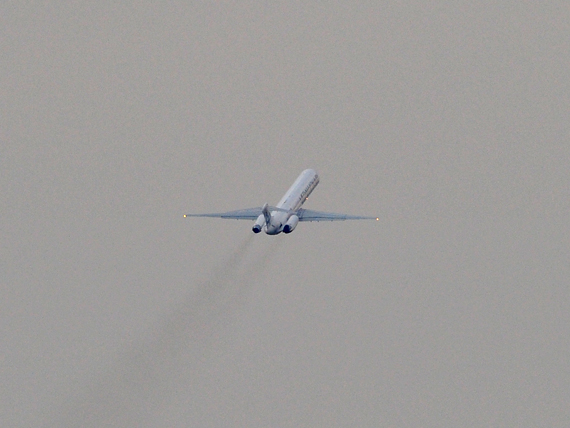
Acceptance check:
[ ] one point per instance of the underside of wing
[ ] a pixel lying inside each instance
(310, 215)
(245, 214)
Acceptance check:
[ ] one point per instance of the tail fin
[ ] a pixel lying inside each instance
(266, 213)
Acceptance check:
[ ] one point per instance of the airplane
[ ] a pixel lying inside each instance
(285, 216)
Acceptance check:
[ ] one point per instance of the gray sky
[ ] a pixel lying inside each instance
(448, 119)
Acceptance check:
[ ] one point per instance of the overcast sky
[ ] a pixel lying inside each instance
(450, 120)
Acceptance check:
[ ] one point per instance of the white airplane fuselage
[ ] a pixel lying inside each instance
(286, 220)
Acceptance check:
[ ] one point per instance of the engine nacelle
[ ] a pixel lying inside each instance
(258, 225)
(291, 224)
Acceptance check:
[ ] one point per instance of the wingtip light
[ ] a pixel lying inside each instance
(184, 215)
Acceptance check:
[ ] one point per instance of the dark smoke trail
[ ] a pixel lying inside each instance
(257, 270)
(253, 271)
(139, 381)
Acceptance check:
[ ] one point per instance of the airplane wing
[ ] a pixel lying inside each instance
(245, 214)
(310, 215)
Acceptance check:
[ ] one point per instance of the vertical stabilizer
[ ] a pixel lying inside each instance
(266, 213)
